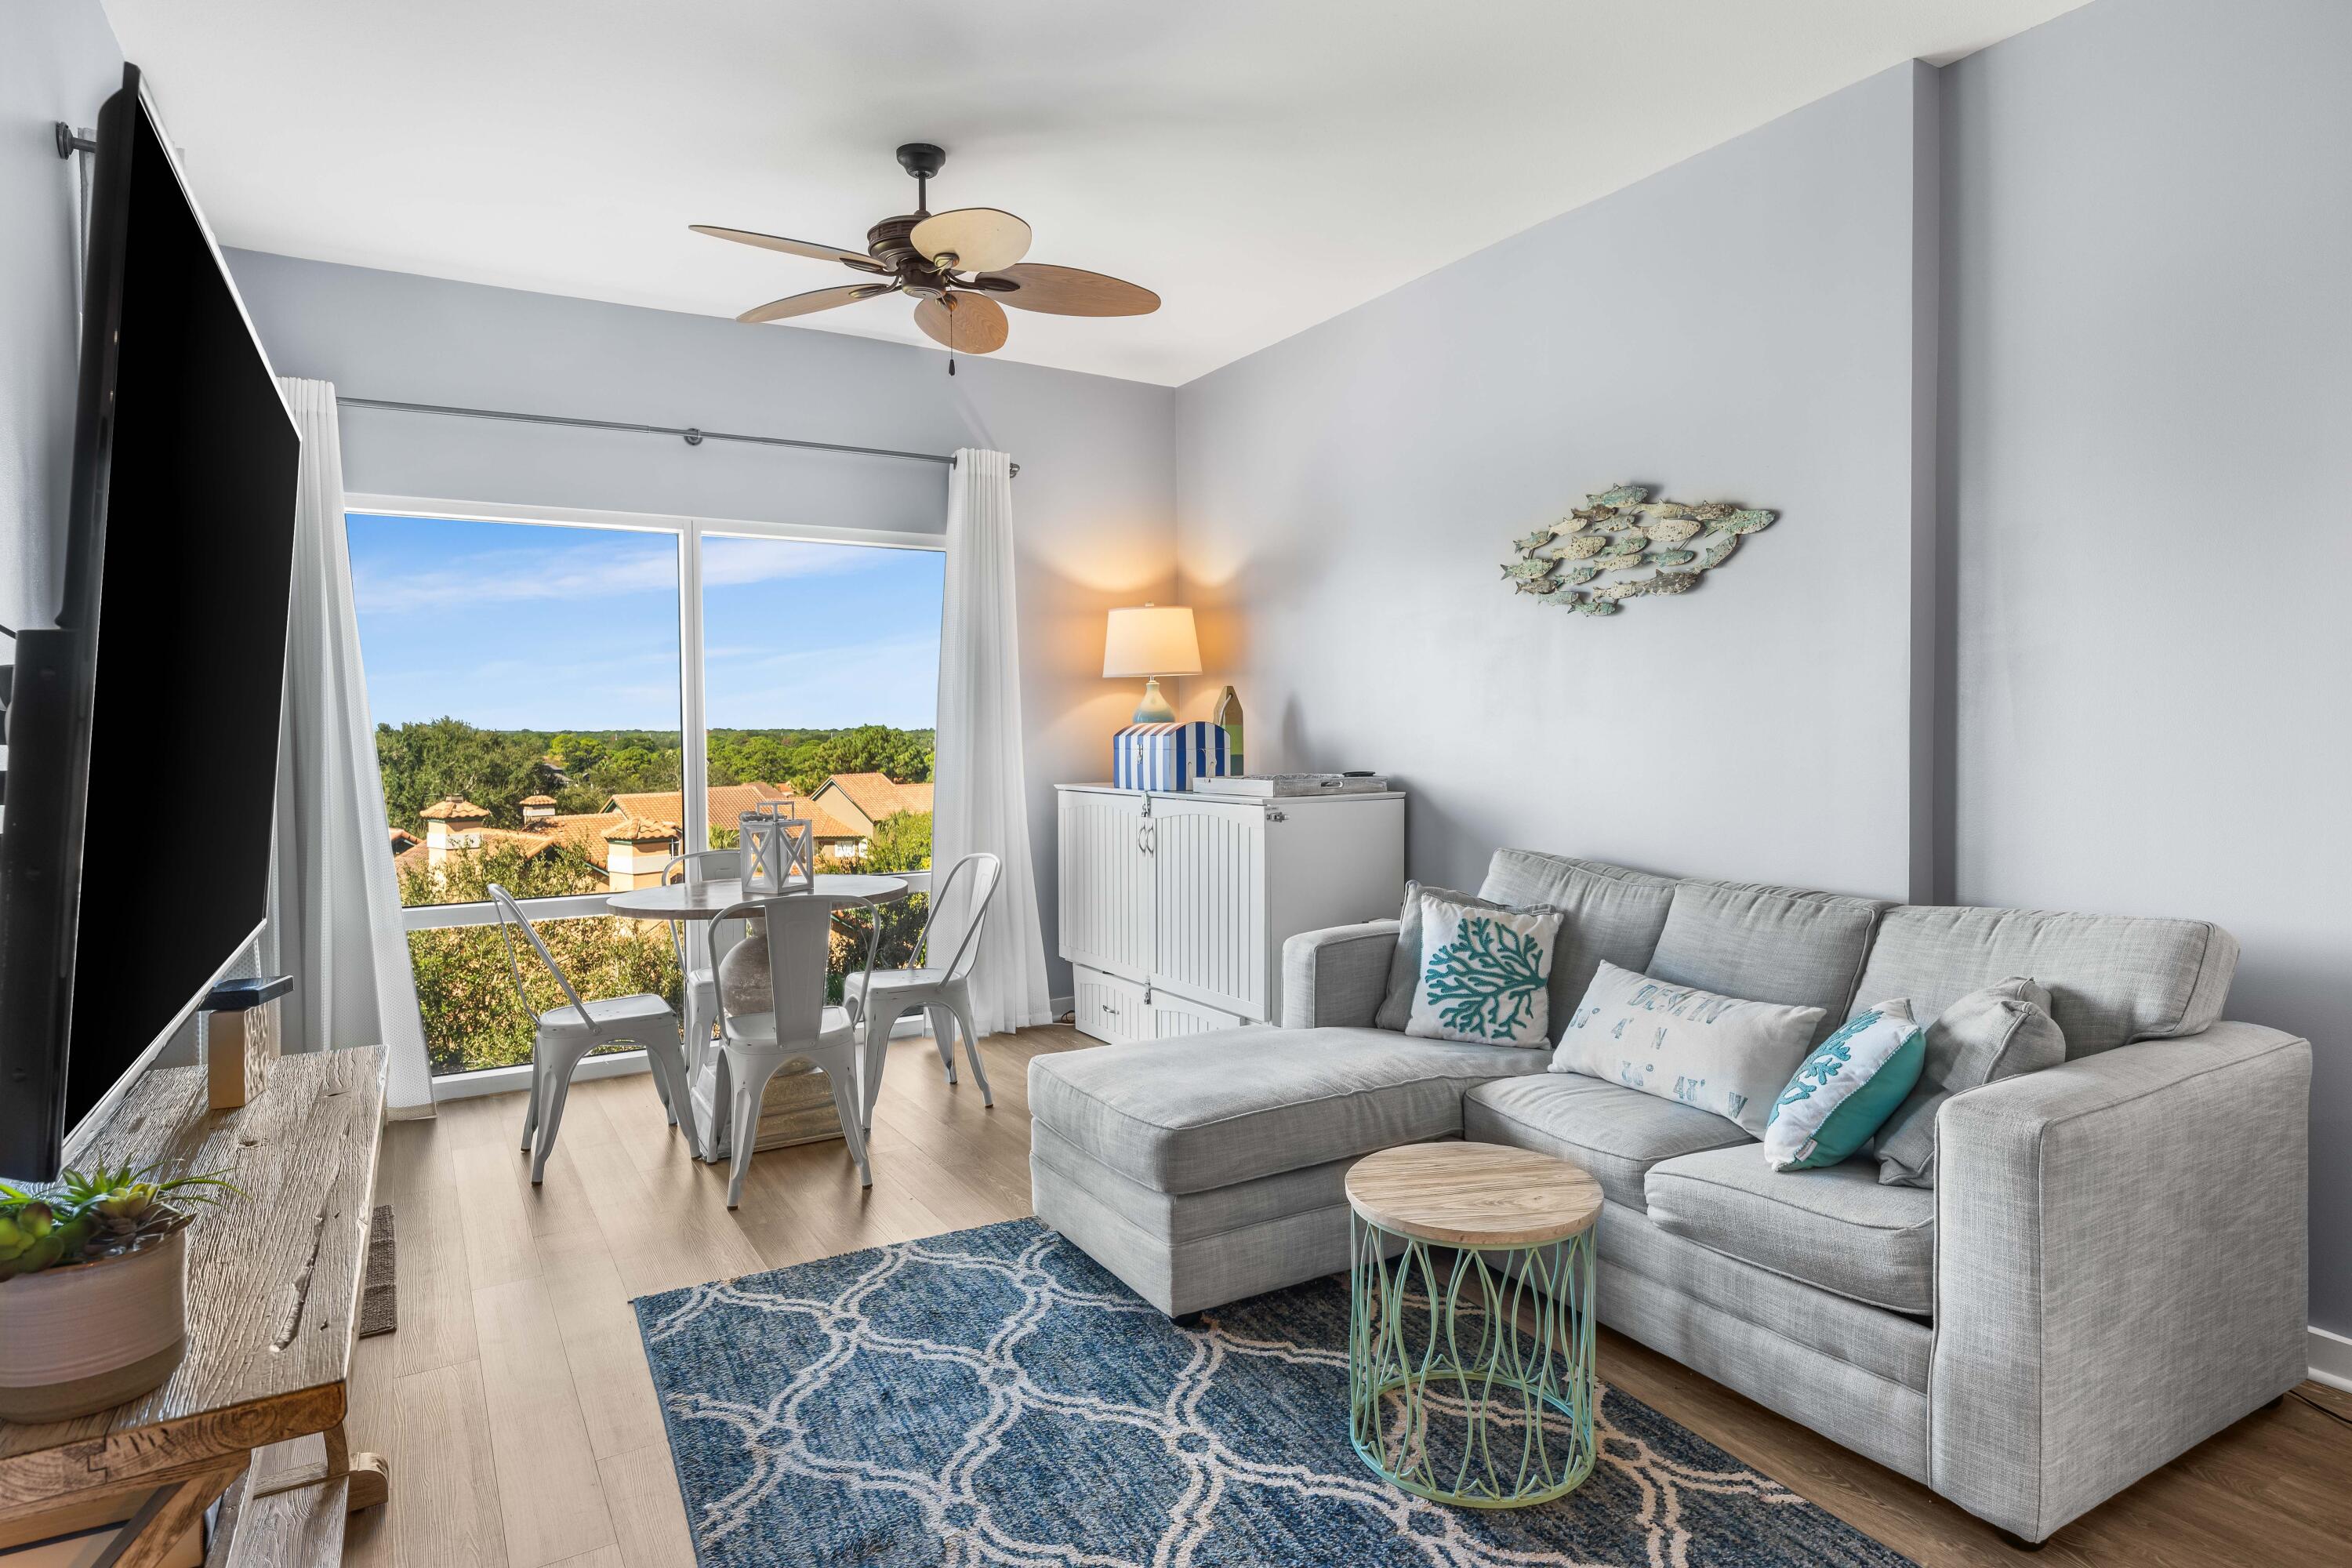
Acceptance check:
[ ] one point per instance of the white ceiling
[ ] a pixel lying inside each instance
(1262, 165)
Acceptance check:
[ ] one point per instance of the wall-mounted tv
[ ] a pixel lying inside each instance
(142, 729)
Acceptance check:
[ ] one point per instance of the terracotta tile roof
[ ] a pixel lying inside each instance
(725, 802)
(539, 800)
(878, 796)
(640, 830)
(828, 827)
(453, 808)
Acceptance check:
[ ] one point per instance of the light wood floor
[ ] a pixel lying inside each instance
(516, 1409)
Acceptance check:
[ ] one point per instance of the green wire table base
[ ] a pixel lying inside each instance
(1449, 1396)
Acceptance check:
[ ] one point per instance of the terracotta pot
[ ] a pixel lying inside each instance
(83, 1338)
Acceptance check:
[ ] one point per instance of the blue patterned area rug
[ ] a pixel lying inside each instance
(994, 1397)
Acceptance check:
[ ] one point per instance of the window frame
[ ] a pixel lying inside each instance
(694, 758)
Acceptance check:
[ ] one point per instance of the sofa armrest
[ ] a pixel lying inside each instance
(1335, 976)
(2120, 1272)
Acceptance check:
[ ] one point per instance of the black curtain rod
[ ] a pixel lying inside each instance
(688, 434)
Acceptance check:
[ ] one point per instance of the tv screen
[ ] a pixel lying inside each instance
(142, 762)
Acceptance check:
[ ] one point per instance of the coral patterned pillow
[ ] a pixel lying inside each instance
(1853, 1082)
(1483, 973)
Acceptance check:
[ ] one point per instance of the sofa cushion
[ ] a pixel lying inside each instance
(1207, 1110)
(1769, 944)
(1531, 876)
(2112, 979)
(1614, 1133)
(1609, 913)
(1838, 1228)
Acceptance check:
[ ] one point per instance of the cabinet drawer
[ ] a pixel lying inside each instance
(1173, 1015)
(1110, 1007)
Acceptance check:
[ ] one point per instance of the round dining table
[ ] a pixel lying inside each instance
(704, 1116)
(703, 900)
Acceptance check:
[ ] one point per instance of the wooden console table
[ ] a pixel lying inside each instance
(274, 1281)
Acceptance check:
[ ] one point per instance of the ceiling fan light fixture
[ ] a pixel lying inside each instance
(951, 263)
(972, 239)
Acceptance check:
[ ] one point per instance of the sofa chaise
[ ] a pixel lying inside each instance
(2109, 1269)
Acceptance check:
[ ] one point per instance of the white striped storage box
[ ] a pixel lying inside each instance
(1167, 756)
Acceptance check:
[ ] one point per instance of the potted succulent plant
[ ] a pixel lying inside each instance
(93, 1288)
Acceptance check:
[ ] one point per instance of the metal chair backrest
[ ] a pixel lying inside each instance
(703, 866)
(986, 871)
(799, 954)
(511, 911)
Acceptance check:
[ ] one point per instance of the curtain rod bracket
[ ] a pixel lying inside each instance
(70, 140)
(693, 436)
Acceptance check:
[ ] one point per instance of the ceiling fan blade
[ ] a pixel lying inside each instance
(815, 300)
(858, 258)
(968, 324)
(1067, 291)
(981, 239)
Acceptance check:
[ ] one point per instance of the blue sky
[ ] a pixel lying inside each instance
(523, 627)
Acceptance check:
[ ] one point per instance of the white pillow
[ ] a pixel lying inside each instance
(1483, 973)
(1678, 1042)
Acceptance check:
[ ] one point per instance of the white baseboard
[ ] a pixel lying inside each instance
(2331, 1360)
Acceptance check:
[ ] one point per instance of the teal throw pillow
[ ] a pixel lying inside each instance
(1851, 1083)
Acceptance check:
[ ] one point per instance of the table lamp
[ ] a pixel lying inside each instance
(1151, 640)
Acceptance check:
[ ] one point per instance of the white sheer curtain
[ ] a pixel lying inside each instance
(334, 904)
(981, 797)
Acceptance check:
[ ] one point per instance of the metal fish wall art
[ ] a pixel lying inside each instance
(1621, 528)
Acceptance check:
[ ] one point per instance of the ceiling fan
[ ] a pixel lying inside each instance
(957, 265)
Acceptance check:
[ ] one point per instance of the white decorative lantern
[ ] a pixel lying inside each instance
(779, 852)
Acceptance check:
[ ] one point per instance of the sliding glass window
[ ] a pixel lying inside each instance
(543, 722)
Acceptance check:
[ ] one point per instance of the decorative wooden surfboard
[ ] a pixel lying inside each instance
(1670, 544)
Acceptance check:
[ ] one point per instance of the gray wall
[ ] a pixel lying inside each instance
(1739, 327)
(1094, 505)
(57, 62)
(2151, 338)
(2126, 362)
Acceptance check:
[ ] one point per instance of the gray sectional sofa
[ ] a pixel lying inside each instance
(2110, 1267)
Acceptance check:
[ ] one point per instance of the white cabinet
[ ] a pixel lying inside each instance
(1175, 906)
(1105, 882)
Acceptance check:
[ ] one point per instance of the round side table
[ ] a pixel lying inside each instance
(1472, 1385)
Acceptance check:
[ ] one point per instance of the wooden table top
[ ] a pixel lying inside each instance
(273, 1278)
(1473, 1194)
(703, 900)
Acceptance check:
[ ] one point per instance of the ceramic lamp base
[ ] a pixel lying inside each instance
(1154, 708)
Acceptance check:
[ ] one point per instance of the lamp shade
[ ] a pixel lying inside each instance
(1152, 639)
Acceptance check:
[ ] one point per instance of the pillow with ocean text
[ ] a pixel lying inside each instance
(1678, 1042)
(1483, 973)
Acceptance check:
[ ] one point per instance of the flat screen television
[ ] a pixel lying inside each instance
(142, 729)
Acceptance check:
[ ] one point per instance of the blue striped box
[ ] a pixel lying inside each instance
(1167, 756)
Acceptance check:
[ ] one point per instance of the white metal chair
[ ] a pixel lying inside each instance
(799, 1033)
(566, 1034)
(944, 992)
(702, 986)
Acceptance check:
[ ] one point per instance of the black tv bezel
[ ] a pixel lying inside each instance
(52, 703)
